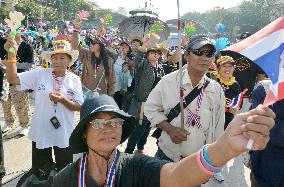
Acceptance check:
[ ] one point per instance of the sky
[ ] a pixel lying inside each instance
(167, 9)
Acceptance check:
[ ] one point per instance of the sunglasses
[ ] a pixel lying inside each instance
(207, 53)
(101, 123)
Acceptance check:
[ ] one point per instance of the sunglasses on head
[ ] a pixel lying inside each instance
(207, 53)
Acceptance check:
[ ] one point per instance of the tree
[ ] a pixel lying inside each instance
(4, 11)
(256, 14)
(29, 8)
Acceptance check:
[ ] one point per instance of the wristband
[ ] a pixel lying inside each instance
(10, 61)
(205, 164)
(200, 164)
(208, 163)
(205, 154)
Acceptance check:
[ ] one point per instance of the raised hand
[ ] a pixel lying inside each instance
(254, 125)
(11, 43)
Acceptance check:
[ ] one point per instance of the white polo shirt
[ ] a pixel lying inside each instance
(42, 131)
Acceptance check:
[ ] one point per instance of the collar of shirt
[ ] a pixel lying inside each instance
(187, 81)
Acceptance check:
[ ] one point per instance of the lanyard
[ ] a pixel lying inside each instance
(110, 177)
(57, 85)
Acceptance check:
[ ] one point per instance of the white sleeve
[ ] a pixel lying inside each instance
(153, 108)
(220, 114)
(29, 79)
(79, 93)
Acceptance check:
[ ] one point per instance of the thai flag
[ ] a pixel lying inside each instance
(237, 101)
(265, 48)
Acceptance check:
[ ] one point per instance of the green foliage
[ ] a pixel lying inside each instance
(4, 11)
(189, 28)
(158, 26)
(250, 16)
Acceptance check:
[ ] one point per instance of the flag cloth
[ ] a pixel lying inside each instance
(265, 48)
(237, 101)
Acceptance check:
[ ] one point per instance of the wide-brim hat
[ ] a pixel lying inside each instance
(89, 108)
(61, 46)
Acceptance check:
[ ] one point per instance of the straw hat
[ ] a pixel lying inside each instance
(221, 60)
(61, 46)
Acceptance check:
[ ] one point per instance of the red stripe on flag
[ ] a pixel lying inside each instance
(271, 98)
(274, 26)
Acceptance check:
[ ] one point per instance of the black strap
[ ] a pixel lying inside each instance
(174, 112)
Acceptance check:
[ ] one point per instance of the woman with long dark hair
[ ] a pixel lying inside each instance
(98, 73)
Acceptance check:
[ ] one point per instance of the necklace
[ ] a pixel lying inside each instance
(227, 83)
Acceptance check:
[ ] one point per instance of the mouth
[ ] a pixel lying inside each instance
(108, 139)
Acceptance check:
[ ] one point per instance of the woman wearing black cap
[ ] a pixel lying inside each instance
(103, 126)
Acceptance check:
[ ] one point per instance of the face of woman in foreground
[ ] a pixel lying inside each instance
(107, 137)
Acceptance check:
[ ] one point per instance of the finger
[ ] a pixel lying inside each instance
(179, 137)
(181, 133)
(260, 141)
(263, 111)
(260, 111)
(186, 132)
(177, 141)
(261, 120)
(262, 129)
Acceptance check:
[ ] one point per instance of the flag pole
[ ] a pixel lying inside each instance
(181, 93)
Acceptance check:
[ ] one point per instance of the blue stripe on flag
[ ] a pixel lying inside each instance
(270, 63)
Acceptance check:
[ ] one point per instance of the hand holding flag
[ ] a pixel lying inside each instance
(14, 23)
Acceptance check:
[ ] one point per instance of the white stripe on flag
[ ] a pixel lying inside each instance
(265, 45)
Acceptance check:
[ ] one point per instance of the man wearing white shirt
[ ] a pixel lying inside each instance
(204, 116)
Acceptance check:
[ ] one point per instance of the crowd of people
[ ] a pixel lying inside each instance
(125, 87)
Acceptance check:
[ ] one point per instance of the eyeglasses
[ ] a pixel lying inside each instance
(101, 123)
(207, 53)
